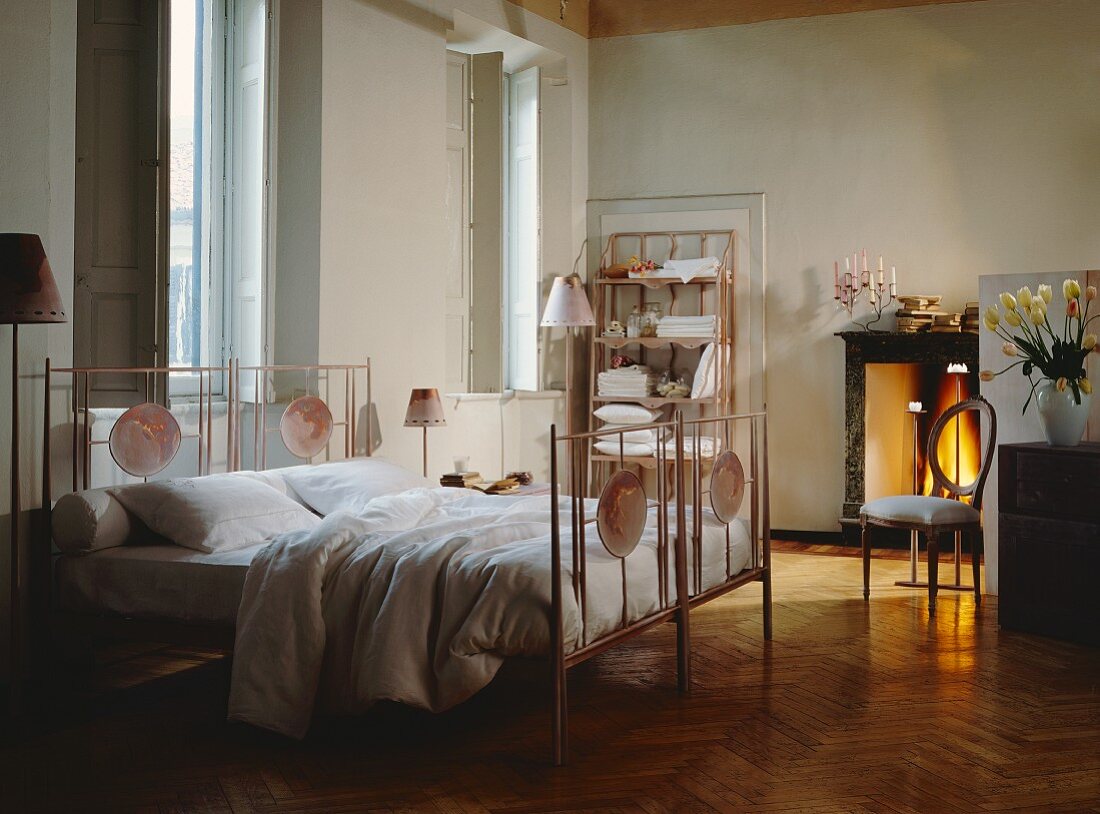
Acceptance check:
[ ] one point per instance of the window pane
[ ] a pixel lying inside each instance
(189, 110)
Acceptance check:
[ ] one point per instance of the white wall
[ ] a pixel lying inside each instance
(37, 142)
(383, 177)
(956, 140)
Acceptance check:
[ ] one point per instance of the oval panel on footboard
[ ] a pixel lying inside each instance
(621, 515)
(727, 486)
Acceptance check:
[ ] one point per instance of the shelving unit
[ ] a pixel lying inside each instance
(700, 296)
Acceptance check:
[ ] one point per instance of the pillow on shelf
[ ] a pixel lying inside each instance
(705, 375)
(628, 450)
(350, 485)
(214, 513)
(625, 413)
(628, 435)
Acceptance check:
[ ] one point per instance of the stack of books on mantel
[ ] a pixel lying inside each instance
(917, 313)
(947, 323)
(971, 321)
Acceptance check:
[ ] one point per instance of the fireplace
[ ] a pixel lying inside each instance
(883, 373)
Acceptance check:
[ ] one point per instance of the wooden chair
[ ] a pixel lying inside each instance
(937, 515)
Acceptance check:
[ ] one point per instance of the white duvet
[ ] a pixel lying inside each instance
(421, 597)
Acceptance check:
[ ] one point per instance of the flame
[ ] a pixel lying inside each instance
(962, 467)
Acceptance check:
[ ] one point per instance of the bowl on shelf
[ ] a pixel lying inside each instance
(619, 271)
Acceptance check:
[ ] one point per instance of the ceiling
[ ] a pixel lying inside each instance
(616, 18)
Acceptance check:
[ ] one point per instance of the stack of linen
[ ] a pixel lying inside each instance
(636, 381)
(709, 446)
(686, 326)
(632, 443)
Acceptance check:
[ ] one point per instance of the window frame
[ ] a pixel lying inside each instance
(217, 312)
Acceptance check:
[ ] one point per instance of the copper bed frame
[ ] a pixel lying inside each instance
(616, 520)
(82, 446)
(619, 532)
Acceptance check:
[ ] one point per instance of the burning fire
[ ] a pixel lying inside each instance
(961, 467)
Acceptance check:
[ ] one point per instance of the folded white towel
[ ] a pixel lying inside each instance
(694, 267)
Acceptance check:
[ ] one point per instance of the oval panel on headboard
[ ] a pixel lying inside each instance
(306, 426)
(144, 439)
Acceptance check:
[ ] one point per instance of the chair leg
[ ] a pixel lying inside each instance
(865, 540)
(933, 571)
(977, 546)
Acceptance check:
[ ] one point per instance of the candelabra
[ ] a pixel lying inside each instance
(848, 289)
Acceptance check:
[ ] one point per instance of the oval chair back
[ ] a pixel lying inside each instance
(975, 488)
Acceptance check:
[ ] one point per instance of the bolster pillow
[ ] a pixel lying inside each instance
(89, 521)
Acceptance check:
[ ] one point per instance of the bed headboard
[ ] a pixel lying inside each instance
(144, 438)
(321, 400)
(147, 437)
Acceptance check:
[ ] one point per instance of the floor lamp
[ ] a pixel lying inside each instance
(425, 410)
(568, 307)
(28, 294)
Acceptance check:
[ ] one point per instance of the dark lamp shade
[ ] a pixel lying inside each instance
(28, 292)
(425, 409)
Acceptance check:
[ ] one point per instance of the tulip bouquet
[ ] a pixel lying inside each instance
(1059, 358)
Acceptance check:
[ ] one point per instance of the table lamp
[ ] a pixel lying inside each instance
(568, 307)
(28, 294)
(425, 410)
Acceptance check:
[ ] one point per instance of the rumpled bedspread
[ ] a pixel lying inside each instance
(419, 599)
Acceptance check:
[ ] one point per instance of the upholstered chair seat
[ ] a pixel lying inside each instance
(933, 516)
(920, 510)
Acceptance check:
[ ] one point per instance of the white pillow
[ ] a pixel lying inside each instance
(89, 521)
(705, 375)
(215, 512)
(349, 485)
(629, 436)
(622, 413)
(628, 450)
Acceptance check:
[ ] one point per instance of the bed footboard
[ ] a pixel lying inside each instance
(693, 469)
(619, 523)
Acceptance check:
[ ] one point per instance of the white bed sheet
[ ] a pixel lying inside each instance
(162, 582)
(169, 582)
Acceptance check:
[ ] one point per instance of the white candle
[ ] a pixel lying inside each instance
(836, 278)
(893, 275)
(847, 266)
(865, 260)
(880, 263)
(915, 406)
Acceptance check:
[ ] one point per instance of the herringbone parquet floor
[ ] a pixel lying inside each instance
(853, 707)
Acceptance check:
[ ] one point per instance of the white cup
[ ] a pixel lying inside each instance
(462, 464)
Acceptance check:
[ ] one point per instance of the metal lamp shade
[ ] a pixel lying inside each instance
(567, 305)
(425, 409)
(28, 292)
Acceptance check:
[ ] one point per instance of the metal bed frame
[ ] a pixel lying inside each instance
(724, 490)
(180, 633)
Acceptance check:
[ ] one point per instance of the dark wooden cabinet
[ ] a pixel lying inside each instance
(1049, 540)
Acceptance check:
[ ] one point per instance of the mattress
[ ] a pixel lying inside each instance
(162, 582)
(169, 582)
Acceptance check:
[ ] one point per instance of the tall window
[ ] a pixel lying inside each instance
(217, 182)
(522, 219)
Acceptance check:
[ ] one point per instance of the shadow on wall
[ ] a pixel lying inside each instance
(368, 412)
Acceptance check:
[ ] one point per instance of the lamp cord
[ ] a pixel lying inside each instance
(580, 254)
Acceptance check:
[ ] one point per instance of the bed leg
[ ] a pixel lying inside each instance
(767, 604)
(560, 723)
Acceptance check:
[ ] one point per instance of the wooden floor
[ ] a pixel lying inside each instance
(854, 707)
